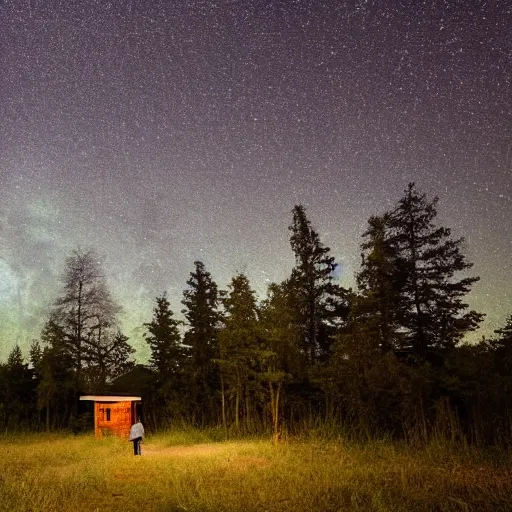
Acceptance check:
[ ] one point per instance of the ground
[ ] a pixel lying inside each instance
(175, 473)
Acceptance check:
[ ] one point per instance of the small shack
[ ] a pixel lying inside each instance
(113, 414)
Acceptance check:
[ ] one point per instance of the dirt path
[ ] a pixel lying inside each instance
(196, 450)
(224, 458)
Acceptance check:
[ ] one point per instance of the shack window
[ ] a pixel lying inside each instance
(108, 414)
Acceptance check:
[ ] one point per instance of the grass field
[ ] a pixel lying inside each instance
(187, 472)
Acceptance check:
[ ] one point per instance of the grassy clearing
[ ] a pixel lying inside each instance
(186, 471)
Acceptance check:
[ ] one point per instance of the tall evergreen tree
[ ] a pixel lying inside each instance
(18, 391)
(501, 346)
(504, 333)
(163, 337)
(281, 335)
(119, 356)
(36, 354)
(431, 311)
(201, 301)
(239, 347)
(379, 282)
(320, 303)
(56, 382)
(169, 362)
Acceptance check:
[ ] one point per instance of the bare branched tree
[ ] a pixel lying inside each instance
(85, 310)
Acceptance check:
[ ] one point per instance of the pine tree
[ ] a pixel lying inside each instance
(119, 356)
(36, 354)
(379, 282)
(281, 332)
(281, 336)
(239, 346)
(201, 300)
(501, 346)
(321, 305)
(56, 385)
(163, 337)
(504, 334)
(169, 362)
(15, 358)
(19, 390)
(431, 311)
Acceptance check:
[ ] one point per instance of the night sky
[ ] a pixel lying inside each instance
(161, 132)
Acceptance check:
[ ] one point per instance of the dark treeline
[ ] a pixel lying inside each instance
(385, 359)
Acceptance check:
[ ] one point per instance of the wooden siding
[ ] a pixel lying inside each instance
(113, 418)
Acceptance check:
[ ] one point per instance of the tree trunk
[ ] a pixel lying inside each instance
(237, 400)
(417, 304)
(47, 415)
(223, 402)
(247, 410)
(274, 409)
(78, 348)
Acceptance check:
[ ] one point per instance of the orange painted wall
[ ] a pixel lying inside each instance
(113, 418)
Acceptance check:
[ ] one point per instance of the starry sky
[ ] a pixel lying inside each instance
(160, 132)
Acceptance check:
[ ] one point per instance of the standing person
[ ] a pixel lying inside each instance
(136, 435)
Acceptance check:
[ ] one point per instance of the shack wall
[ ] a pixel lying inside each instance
(113, 418)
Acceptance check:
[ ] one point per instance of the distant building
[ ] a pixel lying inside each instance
(114, 414)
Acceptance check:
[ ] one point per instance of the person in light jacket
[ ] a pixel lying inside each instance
(136, 435)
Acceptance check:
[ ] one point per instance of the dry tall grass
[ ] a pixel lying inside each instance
(61, 473)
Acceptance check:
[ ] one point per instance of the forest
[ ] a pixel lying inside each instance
(387, 358)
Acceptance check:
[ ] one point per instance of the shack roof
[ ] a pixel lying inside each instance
(111, 398)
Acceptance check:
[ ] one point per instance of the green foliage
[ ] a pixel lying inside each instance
(477, 380)
(163, 337)
(379, 284)
(430, 308)
(404, 323)
(119, 354)
(168, 360)
(241, 353)
(503, 342)
(55, 376)
(81, 348)
(86, 314)
(107, 357)
(385, 360)
(320, 304)
(201, 301)
(281, 332)
(16, 392)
